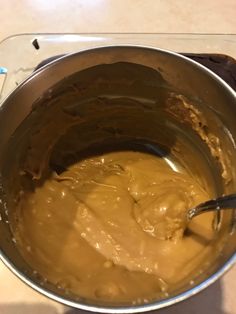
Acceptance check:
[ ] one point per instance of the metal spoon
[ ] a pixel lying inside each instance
(223, 202)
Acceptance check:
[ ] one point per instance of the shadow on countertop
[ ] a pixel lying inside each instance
(27, 308)
(207, 302)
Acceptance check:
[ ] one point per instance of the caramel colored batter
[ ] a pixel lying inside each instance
(111, 227)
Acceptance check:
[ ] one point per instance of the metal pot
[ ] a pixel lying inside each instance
(155, 84)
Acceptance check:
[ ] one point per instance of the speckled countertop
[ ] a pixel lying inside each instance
(183, 16)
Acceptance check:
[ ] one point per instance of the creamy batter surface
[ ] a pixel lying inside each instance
(112, 227)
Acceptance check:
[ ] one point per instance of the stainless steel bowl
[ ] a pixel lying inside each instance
(152, 73)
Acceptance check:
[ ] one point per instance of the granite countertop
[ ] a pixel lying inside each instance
(25, 16)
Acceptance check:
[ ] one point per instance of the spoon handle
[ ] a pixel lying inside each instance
(223, 202)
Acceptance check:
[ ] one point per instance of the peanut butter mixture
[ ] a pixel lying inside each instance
(112, 227)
